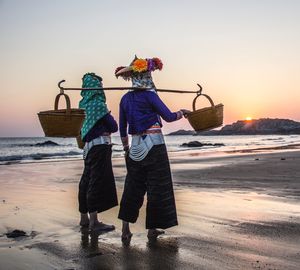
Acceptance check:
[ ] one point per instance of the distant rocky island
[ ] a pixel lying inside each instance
(262, 126)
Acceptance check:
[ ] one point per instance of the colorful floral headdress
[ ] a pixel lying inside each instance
(137, 66)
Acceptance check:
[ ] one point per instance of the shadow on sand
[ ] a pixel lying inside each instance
(97, 254)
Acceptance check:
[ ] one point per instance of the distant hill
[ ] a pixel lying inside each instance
(263, 126)
(182, 132)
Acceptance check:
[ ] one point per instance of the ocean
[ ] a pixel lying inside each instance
(42, 149)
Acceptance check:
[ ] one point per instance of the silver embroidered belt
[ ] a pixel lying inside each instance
(99, 140)
(142, 144)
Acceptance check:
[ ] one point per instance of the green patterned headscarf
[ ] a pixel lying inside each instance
(93, 102)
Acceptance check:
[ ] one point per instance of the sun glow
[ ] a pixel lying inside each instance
(248, 118)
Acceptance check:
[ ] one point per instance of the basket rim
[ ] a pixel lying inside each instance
(218, 106)
(63, 111)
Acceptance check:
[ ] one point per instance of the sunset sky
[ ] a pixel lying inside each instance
(245, 54)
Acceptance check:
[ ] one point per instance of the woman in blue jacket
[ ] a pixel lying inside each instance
(148, 168)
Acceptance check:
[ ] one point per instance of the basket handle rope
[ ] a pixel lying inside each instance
(208, 97)
(68, 102)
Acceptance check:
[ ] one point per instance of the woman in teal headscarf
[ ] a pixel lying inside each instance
(97, 190)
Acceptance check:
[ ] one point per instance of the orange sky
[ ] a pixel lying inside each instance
(245, 54)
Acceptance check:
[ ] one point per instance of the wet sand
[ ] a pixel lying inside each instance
(236, 211)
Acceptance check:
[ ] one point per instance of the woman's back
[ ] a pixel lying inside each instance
(141, 110)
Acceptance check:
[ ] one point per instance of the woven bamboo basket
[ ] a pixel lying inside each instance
(206, 118)
(64, 122)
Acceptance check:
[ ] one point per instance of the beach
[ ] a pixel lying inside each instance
(237, 210)
(216, 82)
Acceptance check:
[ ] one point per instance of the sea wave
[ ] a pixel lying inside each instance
(38, 156)
(39, 144)
(273, 139)
(40, 149)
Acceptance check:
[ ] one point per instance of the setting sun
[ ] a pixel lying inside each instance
(248, 118)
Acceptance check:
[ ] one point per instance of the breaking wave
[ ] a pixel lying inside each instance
(39, 156)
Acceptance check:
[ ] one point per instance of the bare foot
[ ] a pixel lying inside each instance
(126, 233)
(100, 226)
(84, 220)
(126, 238)
(154, 233)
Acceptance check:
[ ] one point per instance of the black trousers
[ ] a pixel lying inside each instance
(151, 175)
(97, 189)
